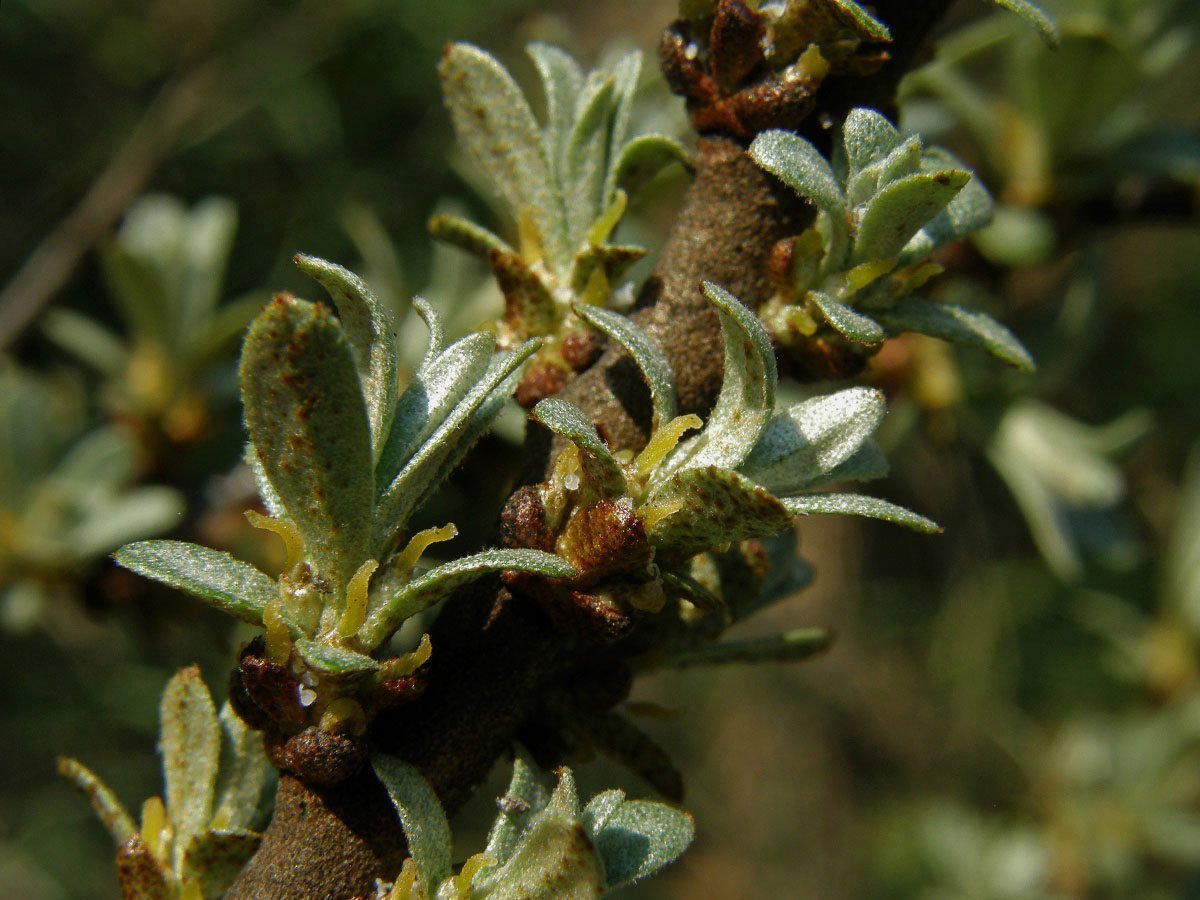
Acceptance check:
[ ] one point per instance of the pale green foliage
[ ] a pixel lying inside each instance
(543, 844)
(560, 179)
(67, 496)
(214, 775)
(343, 458)
(884, 206)
(164, 270)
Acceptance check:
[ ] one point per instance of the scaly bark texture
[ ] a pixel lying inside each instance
(495, 653)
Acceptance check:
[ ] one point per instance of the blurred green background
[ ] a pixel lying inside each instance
(1012, 708)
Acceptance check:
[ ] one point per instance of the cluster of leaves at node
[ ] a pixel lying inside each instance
(343, 458)
(543, 844)
(885, 204)
(561, 180)
(739, 478)
(215, 776)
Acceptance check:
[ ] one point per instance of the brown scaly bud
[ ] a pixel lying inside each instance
(606, 538)
(781, 264)
(581, 348)
(539, 383)
(523, 522)
(263, 693)
(395, 693)
(735, 44)
(318, 757)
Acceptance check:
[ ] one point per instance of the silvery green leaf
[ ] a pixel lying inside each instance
(801, 445)
(900, 210)
(867, 25)
(467, 235)
(639, 838)
(243, 774)
(437, 331)
(845, 321)
(601, 471)
(116, 819)
(970, 210)
(266, 491)
(190, 742)
(645, 352)
(143, 266)
(586, 160)
(788, 575)
(207, 239)
(903, 160)
(335, 660)
(865, 464)
(858, 505)
(308, 423)
(525, 797)
(562, 80)
(527, 298)
(645, 155)
(867, 137)
(497, 128)
(132, 514)
(747, 394)
(368, 330)
(718, 506)
(677, 584)
(215, 858)
(421, 814)
(434, 391)
(1035, 16)
(427, 589)
(801, 167)
(228, 584)
(956, 323)
(86, 339)
(792, 646)
(430, 463)
(600, 808)
(625, 77)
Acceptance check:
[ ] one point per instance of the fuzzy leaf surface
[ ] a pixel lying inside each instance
(645, 352)
(1035, 16)
(421, 813)
(639, 838)
(803, 444)
(525, 797)
(586, 159)
(957, 323)
(335, 660)
(645, 155)
(562, 80)
(900, 210)
(112, 813)
(867, 136)
(467, 235)
(243, 774)
(230, 585)
(846, 321)
(369, 332)
(801, 167)
(859, 505)
(792, 646)
(191, 749)
(600, 469)
(308, 423)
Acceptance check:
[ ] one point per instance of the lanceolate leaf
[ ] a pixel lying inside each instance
(335, 660)
(858, 505)
(424, 822)
(601, 471)
(243, 774)
(561, 81)
(230, 585)
(467, 235)
(970, 210)
(427, 589)
(369, 333)
(747, 390)
(867, 136)
(586, 158)
(114, 816)
(802, 445)
(525, 797)
(1035, 16)
(802, 168)
(957, 323)
(645, 351)
(645, 155)
(625, 76)
(307, 421)
(718, 506)
(496, 126)
(792, 646)
(639, 838)
(845, 321)
(191, 748)
(900, 209)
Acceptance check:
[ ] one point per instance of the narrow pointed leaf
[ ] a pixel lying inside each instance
(718, 506)
(645, 352)
(802, 168)
(228, 584)
(639, 838)
(112, 813)
(956, 323)
(1035, 16)
(132, 514)
(424, 821)
(646, 155)
(867, 137)
(335, 660)
(467, 235)
(427, 589)
(970, 210)
(859, 505)
(437, 331)
(747, 391)
(562, 80)
(792, 646)
(215, 858)
(368, 330)
(308, 423)
(865, 23)
(900, 210)
(625, 76)
(600, 808)
(496, 127)
(191, 748)
(586, 160)
(845, 321)
(687, 588)
(800, 446)
(266, 490)
(601, 471)
(243, 774)
(865, 464)
(526, 796)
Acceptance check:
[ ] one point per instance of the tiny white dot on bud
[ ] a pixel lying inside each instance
(691, 52)
(571, 482)
(307, 695)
